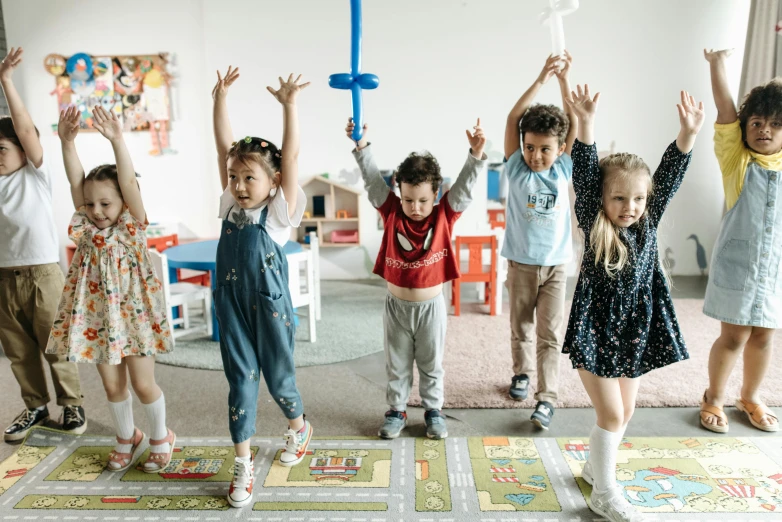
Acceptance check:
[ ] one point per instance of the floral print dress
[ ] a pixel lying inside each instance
(112, 305)
(625, 326)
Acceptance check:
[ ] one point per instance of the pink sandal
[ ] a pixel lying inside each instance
(123, 460)
(160, 460)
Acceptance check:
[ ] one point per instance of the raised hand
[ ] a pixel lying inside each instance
(222, 85)
(550, 68)
(9, 64)
(106, 123)
(582, 103)
(712, 55)
(567, 61)
(288, 90)
(349, 131)
(691, 117)
(68, 126)
(477, 140)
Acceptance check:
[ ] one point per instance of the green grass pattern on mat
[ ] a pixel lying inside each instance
(209, 463)
(432, 488)
(85, 464)
(123, 502)
(320, 506)
(510, 476)
(364, 477)
(23, 459)
(686, 475)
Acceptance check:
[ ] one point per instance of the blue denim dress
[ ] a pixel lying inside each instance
(745, 284)
(255, 317)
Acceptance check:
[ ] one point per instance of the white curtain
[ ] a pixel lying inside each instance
(763, 52)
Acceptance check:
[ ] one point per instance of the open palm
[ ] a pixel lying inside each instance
(581, 101)
(106, 123)
(288, 90)
(223, 83)
(691, 116)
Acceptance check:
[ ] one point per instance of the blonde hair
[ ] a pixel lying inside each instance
(604, 238)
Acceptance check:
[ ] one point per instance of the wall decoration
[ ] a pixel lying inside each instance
(135, 88)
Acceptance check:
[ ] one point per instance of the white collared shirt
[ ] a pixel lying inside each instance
(278, 221)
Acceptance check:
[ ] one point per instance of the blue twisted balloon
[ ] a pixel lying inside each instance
(355, 81)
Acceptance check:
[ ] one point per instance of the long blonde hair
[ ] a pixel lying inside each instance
(605, 239)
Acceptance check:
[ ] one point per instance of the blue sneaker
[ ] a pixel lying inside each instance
(541, 417)
(435, 424)
(394, 424)
(519, 387)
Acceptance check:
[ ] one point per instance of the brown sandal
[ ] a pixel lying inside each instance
(125, 459)
(714, 411)
(160, 460)
(756, 412)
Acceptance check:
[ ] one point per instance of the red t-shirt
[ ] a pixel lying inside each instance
(417, 254)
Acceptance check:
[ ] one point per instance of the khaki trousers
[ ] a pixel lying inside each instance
(29, 297)
(537, 293)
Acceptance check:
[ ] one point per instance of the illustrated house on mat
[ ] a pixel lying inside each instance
(332, 212)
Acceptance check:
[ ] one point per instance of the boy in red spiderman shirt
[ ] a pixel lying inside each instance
(416, 257)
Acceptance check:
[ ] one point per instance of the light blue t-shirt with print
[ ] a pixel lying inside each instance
(537, 217)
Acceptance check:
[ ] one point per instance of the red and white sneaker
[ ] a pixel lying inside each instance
(296, 444)
(241, 491)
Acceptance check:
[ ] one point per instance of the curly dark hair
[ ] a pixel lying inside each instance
(419, 168)
(258, 150)
(764, 101)
(8, 131)
(545, 119)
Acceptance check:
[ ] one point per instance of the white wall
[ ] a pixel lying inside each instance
(441, 64)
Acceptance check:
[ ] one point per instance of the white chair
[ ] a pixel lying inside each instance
(303, 283)
(182, 294)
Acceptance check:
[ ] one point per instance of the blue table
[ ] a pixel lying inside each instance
(202, 255)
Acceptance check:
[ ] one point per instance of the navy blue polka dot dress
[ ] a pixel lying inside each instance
(625, 326)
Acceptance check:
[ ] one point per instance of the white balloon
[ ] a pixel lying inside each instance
(552, 16)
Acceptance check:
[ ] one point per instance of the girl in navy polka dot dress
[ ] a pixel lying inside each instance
(622, 323)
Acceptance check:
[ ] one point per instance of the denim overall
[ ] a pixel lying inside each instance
(745, 284)
(255, 316)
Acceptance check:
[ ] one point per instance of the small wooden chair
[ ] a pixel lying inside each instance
(496, 217)
(475, 272)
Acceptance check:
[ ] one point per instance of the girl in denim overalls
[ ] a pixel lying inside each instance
(745, 284)
(261, 200)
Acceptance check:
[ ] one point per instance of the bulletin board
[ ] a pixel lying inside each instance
(135, 88)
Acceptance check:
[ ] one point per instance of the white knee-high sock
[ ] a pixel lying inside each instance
(603, 446)
(122, 416)
(156, 413)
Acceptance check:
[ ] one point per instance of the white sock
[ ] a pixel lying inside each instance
(122, 415)
(245, 460)
(603, 446)
(156, 413)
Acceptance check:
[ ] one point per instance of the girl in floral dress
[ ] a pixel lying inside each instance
(112, 311)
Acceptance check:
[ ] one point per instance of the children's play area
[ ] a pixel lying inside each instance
(370, 261)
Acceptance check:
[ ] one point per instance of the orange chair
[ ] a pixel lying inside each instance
(163, 242)
(496, 218)
(475, 273)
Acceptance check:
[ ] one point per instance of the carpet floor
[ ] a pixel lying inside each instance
(478, 365)
(54, 476)
(351, 326)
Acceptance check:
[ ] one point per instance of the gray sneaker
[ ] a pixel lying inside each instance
(435, 425)
(519, 387)
(394, 424)
(613, 506)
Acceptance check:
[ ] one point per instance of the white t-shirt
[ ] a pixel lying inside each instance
(27, 232)
(278, 222)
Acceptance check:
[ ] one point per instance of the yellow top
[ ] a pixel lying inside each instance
(734, 157)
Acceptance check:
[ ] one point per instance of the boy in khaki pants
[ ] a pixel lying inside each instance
(538, 141)
(31, 281)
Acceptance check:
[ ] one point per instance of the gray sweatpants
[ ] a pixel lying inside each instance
(415, 331)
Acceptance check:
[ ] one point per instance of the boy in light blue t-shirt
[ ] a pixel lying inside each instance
(538, 140)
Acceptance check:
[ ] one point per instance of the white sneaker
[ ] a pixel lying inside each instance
(296, 444)
(241, 491)
(613, 506)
